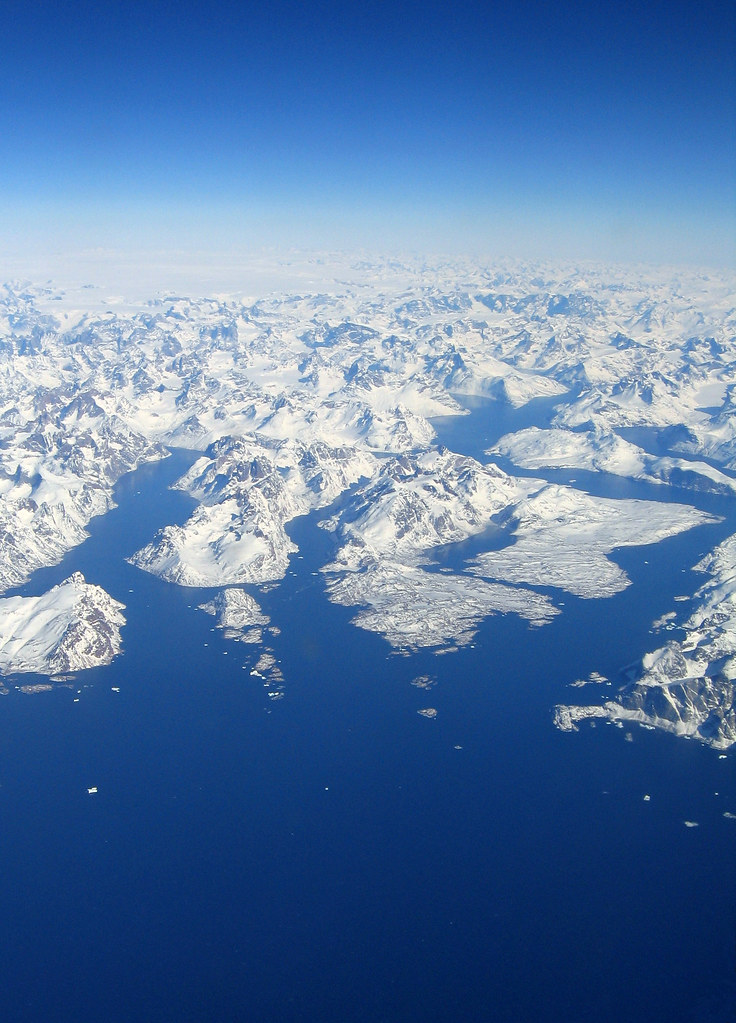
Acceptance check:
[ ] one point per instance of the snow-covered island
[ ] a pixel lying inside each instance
(323, 400)
(686, 687)
(73, 626)
(238, 615)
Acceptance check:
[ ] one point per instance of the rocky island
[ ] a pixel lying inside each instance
(71, 627)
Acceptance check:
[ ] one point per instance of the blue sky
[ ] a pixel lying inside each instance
(540, 129)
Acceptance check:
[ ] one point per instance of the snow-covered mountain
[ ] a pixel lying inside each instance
(325, 399)
(238, 615)
(73, 626)
(387, 531)
(597, 450)
(687, 687)
(556, 537)
(60, 457)
(248, 489)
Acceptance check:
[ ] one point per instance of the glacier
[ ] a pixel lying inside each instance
(563, 538)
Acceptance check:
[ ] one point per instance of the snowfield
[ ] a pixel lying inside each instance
(563, 536)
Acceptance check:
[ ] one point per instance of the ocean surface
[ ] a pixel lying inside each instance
(336, 856)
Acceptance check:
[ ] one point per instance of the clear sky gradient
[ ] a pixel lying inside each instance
(538, 129)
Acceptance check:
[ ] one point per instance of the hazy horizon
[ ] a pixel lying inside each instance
(537, 132)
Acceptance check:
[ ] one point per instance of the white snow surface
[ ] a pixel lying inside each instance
(387, 531)
(562, 538)
(237, 614)
(597, 450)
(249, 489)
(73, 626)
(412, 607)
(687, 687)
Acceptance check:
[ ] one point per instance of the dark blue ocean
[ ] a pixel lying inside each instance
(333, 856)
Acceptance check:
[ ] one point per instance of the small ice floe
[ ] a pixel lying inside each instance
(428, 712)
(91, 791)
(691, 824)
